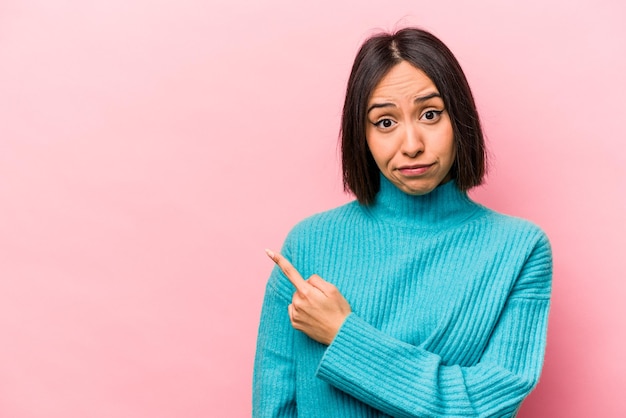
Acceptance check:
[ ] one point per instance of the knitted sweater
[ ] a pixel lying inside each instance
(449, 312)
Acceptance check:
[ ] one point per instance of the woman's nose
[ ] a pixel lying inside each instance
(412, 144)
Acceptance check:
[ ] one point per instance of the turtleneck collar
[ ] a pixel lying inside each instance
(444, 206)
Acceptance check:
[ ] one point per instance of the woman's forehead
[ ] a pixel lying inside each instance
(403, 81)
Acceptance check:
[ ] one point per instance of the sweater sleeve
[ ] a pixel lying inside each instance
(274, 388)
(404, 380)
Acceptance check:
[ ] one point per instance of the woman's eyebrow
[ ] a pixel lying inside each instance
(379, 105)
(427, 97)
(419, 99)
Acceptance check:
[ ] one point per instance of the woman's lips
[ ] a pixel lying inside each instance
(414, 170)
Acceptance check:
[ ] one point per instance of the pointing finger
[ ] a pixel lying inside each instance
(290, 271)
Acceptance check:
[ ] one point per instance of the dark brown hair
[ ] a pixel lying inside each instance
(423, 50)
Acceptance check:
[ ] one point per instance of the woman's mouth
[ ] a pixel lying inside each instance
(414, 170)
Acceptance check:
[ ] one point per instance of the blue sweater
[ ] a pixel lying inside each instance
(450, 305)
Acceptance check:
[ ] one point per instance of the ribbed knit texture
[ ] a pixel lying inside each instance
(450, 304)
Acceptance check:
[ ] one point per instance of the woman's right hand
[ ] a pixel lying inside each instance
(317, 308)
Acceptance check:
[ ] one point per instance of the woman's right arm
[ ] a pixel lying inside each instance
(273, 391)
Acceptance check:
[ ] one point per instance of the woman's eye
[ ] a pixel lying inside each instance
(432, 115)
(385, 123)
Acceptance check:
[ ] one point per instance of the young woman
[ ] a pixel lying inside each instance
(418, 301)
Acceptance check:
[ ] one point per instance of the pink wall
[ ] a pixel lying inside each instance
(150, 150)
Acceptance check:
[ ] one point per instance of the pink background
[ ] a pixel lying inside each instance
(150, 150)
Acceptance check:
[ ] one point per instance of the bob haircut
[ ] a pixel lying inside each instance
(423, 50)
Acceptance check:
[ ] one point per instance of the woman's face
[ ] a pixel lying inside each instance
(409, 132)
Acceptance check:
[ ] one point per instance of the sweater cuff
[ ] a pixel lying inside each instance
(359, 350)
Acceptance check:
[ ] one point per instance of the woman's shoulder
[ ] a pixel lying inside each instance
(317, 230)
(328, 219)
(323, 225)
(514, 225)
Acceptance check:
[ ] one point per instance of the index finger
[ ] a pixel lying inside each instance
(289, 270)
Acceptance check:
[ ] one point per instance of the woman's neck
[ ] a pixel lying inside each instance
(445, 206)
